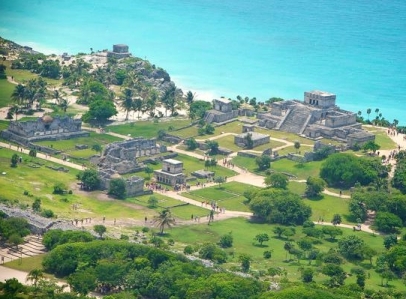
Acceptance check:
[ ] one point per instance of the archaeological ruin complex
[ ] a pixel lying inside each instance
(44, 128)
(120, 158)
(316, 116)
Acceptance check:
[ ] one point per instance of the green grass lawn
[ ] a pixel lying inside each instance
(28, 264)
(228, 142)
(228, 195)
(326, 206)
(148, 129)
(301, 171)
(244, 232)
(68, 146)
(178, 208)
(385, 142)
(6, 89)
(39, 183)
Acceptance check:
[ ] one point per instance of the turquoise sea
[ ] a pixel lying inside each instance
(353, 48)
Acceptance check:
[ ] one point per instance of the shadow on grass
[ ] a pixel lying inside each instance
(315, 198)
(260, 245)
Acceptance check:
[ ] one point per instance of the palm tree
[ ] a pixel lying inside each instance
(164, 219)
(152, 102)
(368, 112)
(127, 102)
(56, 96)
(35, 275)
(138, 105)
(18, 94)
(63, 104)
(170, 100)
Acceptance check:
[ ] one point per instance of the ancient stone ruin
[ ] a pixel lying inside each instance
(122, 157)
(119, 51)
(171, 172)
(316, 116)
(222, 112)
(44, 128)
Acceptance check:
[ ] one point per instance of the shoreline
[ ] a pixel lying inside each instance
(208, 93)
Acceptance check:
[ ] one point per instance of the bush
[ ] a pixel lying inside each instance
(145, 229)
(171, 242)
(47, 213)
(226, 241)
(188, 250)
(59, 188)
(267, 254)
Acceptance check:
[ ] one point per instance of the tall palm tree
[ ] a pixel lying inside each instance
(170, 100)
(56, 96)
(35, 275)
(152, 102)
(164, 219)
(138, 105)
(18, 94)
(127, 102)
(368, 112)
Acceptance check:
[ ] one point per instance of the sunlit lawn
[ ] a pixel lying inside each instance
(148, 129)
(178, 208)
(6, 89)
(68, 146)
(244, 232)
(228, 195)
(301, 170)
(326, 206)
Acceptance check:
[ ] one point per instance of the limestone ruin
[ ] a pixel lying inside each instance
(44, 128)
(222, 112)
(316, 116)
(122, 157)
(171, 172)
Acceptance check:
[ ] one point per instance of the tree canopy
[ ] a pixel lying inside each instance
(280, 206)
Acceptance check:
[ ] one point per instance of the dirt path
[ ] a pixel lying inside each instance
(42, 156)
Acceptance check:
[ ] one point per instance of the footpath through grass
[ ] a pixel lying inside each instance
(148, 128)
(228, 195)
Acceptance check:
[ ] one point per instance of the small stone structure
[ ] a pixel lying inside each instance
(119, 51)
(120, 158)
(317, 116)
(171, 172)
(257, 139)
(222, 112)
(44, 128)
(203, 174)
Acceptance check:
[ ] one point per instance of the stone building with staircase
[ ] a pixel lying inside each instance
(44, 128)
(222, 112)
(316, 116)
(171, 172)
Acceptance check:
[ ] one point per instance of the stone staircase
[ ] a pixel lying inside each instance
(295, 120)
(32, 246)
(209, 118)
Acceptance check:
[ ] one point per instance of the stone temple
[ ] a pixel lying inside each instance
(120, 158)
(171, 172)
(316, 116)
(222, 112)
(44, 128)
(119, 51)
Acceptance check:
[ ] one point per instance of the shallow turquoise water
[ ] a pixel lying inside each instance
(261, 48)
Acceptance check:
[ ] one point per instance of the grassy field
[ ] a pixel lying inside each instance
(301, 171)
(178, 208)
(228, 195)
(6, 89)
(148, 129)
(68, 146)
(244, 231)
(326, 206)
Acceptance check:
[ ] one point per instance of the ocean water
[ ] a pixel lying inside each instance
(259, 48)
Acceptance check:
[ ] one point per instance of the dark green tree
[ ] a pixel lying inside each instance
(14, 160)
(117, 188)
(263, 162)
(314, 186)
(100, 229)
(277, 180)
(261, 238)
(90, 179)
(99, 111)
